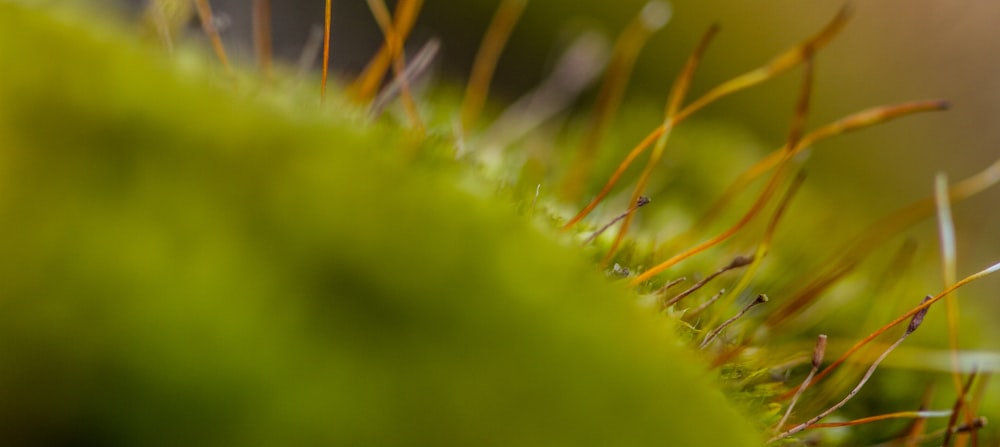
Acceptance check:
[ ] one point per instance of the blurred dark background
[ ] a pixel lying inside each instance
(892, 51)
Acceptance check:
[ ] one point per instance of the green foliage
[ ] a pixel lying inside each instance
(185, 266)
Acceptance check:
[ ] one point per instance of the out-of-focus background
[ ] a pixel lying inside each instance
(892, 51)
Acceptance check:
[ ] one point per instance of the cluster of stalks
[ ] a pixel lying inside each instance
(785, 177)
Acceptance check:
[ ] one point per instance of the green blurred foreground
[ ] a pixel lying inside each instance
(185, 267)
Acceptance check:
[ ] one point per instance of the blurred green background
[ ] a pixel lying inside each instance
(185, 266)
(877, 170)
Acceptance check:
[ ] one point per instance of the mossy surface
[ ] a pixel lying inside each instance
(186, 266)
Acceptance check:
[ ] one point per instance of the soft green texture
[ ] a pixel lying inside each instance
(182, 266)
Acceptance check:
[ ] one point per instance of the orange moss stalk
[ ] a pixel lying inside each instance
(262, 35)
(923, 414)
(977, 424)
(957, 409)
(674, 102)
(367, 84)
(394, 40)
(850, 123)
(485, 64)
(775, 67)
(915, 322)
(678, 90)
(794, 136)
(326, 50)
(817, 359)
(946, 235)
(911, 437)
(973, 408)
(765, 244)
(653, 16)
(916, 310)
(208, 25)
(417, 67)
(843, 262)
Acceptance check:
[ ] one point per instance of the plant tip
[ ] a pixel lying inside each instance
(740, 261)
(918, 318)
(847, 10)
(819, 351)
(619, 271)
(656, 14)
(977, 423)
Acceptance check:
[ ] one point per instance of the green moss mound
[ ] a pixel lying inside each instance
(185, 266)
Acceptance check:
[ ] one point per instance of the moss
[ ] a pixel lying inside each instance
(186, 266)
